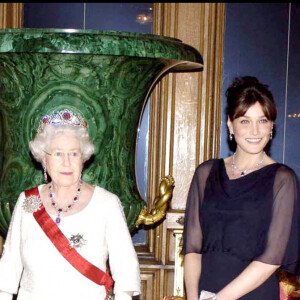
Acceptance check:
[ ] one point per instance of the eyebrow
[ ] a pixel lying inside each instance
(263, 116)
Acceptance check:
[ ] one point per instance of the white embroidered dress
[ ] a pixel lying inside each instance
(31, 260)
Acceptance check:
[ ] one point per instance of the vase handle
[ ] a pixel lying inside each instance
(161, 203)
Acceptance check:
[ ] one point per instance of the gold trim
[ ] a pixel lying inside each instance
(1, 245)
(178, 276)
(11, 15)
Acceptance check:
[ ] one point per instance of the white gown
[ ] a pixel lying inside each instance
(31, 260)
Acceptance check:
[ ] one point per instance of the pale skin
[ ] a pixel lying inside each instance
(65, 174)
(252, 134)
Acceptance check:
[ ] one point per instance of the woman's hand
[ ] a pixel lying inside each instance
(252, 277)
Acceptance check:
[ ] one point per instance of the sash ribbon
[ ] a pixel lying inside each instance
(63, 246)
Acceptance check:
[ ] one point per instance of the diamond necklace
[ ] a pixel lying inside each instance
(59, 211)
(243, 173)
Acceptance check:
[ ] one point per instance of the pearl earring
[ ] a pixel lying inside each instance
(230, 136)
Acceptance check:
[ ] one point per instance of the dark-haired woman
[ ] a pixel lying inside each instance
(242, 214)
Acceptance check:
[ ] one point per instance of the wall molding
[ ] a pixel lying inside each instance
(11, 15)
(185, 119)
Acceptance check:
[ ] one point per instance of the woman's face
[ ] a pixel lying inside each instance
(251, 131)
(64, 160)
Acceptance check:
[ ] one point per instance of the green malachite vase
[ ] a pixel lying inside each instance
(106, 76)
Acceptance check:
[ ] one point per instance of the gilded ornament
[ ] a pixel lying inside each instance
(161, 203)
(289, 284)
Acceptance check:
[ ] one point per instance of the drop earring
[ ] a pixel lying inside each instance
(271, 134)
(230, 136)
(45, 174)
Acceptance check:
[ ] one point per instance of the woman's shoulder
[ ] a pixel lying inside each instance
(108, 201)
(207, 165)
(107, 198)
(204, 169)
(22, 194)
(284, 172)
(99, 190)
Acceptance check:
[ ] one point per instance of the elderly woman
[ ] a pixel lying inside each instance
(63, 233)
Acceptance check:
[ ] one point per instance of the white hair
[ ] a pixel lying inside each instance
(42, 141)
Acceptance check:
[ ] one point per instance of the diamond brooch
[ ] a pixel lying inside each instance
(77, 241)
(32, 204)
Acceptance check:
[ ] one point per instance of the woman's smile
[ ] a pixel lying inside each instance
(254, 141)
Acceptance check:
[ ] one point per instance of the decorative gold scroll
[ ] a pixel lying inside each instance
(161, 204)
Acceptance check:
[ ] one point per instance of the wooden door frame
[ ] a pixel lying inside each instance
(185, 109)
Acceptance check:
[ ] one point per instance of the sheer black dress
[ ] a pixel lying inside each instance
(234, 222)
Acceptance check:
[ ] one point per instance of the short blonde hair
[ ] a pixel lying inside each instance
(42, 140)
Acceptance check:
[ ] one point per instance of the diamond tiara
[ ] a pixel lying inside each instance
(62, 117)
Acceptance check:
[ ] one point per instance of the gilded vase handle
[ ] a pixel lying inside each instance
(161, 203)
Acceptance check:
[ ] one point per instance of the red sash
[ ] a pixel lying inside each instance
(63, 246)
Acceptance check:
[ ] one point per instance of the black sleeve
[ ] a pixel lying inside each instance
(192, 237)
(282, 246)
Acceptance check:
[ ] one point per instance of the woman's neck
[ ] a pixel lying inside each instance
(65, 193)
(245, 160)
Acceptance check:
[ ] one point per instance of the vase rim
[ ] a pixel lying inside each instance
(99, 42)
(86, 31)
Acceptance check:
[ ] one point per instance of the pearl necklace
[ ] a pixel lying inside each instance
(59, 211)
(243, 173)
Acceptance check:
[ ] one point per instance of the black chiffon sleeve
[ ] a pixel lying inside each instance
(282, 243)
(192, 236)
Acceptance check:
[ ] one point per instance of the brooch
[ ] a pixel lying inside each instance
(32, 204)
(77, 241)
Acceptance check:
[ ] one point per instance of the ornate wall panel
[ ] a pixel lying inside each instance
(149, 288)
(184, 124)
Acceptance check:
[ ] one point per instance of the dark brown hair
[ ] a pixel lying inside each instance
(245, 92)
